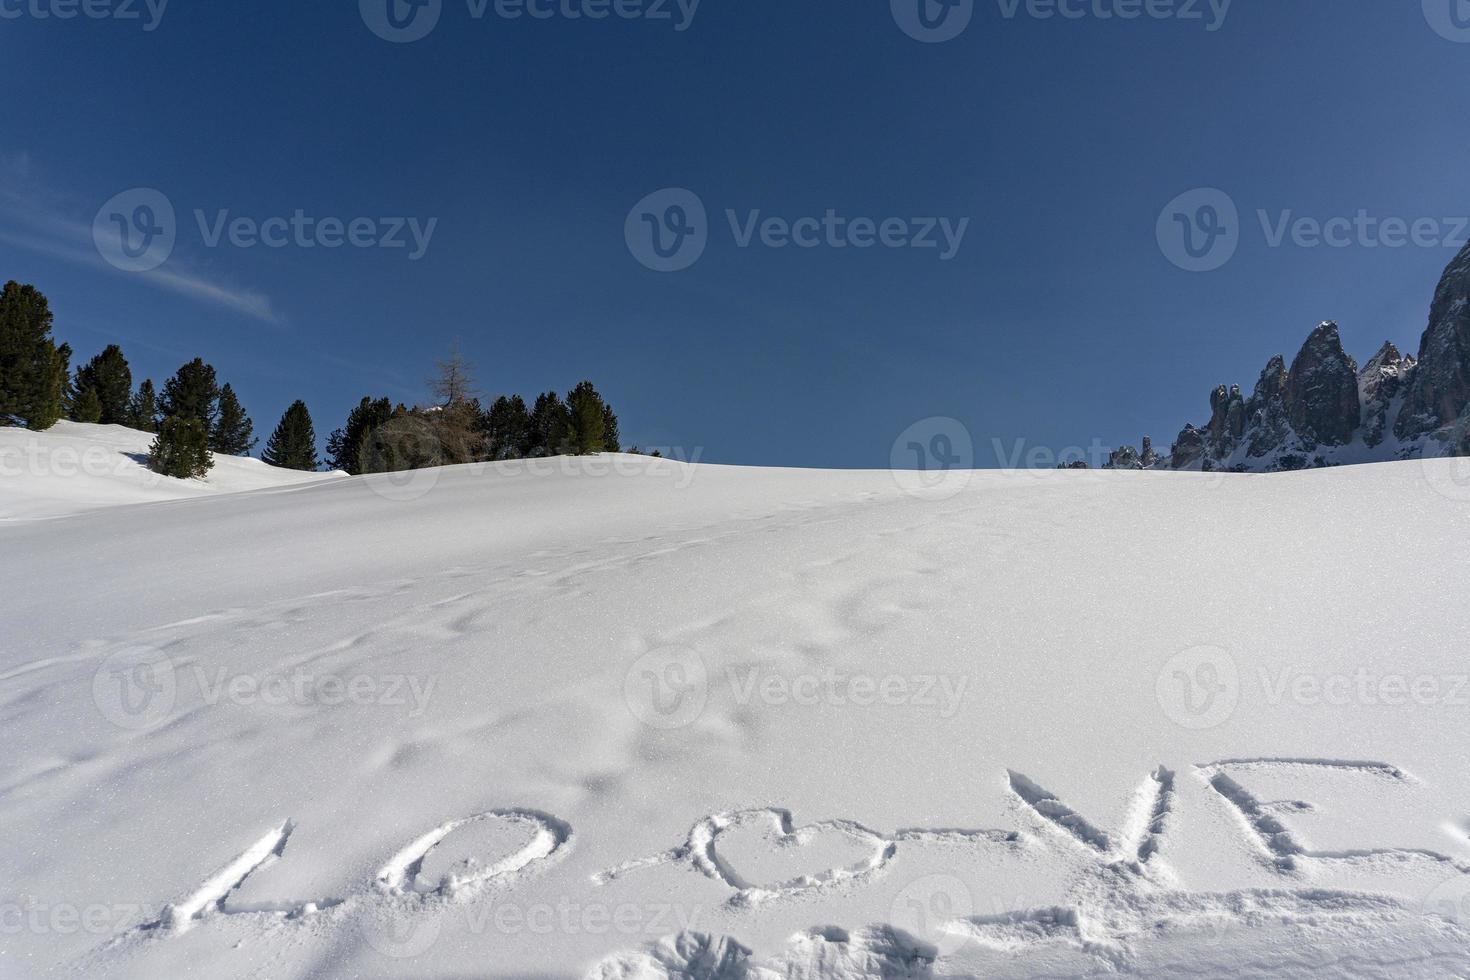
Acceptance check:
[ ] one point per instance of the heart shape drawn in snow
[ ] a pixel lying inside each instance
(760, 853)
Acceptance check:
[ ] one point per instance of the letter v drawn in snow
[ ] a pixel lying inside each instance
(1147, 820)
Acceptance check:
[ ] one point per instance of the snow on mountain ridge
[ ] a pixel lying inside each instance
(1324, 411)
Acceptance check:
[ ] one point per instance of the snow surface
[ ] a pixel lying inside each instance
(75, 466)
(627, 718)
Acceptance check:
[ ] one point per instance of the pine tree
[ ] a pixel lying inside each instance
(143, 408)
(293, 445)
(233, 434)
(33, 370)
(585, 413)
(193, 392)
(181, 449)
(343, 444)
(407, 441)
(550, 426)
(109, 376)
(60, 390)
(87, 407)
(610, 436)
(507, 427)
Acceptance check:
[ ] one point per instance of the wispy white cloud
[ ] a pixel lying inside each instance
(49, 230)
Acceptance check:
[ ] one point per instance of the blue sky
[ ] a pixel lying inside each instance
(1058, 320)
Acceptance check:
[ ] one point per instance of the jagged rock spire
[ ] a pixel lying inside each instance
(1439, 392)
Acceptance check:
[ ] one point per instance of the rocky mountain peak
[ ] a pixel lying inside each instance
(1380, 383)
(1322, 390)
(1438, 396)
(1322, 410)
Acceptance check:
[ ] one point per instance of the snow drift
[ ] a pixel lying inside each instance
(75, 466)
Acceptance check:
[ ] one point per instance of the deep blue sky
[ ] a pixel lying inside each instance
(1059, 321)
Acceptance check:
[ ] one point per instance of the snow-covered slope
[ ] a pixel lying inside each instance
(73, 467)
(619, 717)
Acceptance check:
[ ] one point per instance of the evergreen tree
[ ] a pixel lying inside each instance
(33, 370)
(587, 420)
(87, 407)
(143, 408)
(233, 434)
(293, 445)
(108, 375)
(550, 426)
(610, 436)
(407, 441)
(344, 443)
(62, 371)
(181, 449)
(193, 393)
(507, 427)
